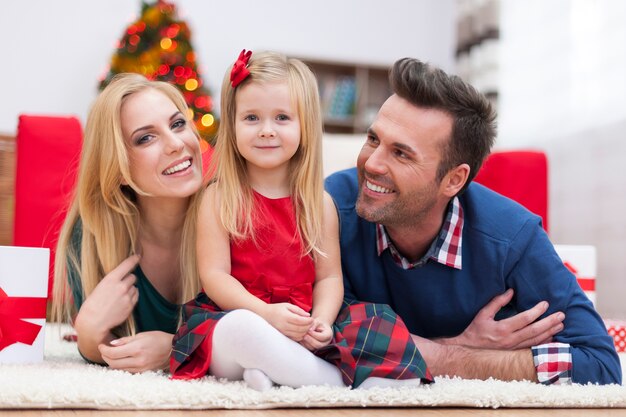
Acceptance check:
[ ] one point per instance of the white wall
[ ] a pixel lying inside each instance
(562, 87)
(54, 51)
(562, 67)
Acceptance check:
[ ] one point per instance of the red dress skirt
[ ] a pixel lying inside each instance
(370, 340)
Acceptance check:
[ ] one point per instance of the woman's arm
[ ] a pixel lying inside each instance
(328, 288)
(145, 351)
(228, 293)
(109, 305)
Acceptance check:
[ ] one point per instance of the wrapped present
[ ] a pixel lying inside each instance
(617, 330)
(581, 261)
(23, 296)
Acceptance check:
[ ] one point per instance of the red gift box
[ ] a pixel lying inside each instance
(617, 330)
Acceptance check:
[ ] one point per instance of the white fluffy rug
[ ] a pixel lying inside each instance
(63, 380)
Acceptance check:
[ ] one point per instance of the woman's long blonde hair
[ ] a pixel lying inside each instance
(305, 168)
(106, 211)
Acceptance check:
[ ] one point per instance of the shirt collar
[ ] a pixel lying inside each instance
(445, 249)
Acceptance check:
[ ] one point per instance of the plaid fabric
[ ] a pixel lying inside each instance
(371, 340)
(191, 347)
(446, 249)
(553, 362)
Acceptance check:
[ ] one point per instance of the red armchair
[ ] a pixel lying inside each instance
(47, 154)
(520, 175)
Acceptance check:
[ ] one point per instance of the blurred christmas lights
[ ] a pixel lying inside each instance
(158, 46)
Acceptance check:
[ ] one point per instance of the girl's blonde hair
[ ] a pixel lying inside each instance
(305, 168)
(105, 211)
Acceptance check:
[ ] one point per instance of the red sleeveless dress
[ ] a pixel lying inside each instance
(272, 266)
(369, 339)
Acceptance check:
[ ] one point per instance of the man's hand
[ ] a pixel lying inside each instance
(289, 319)
(145, 351)
(517, 332)
(318, 336)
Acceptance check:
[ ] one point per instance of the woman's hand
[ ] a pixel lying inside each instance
(146, 351)
(109, 305)
(289, 319)
(318, 336)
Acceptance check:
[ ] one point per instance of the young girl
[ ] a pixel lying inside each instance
(140, 173)
(268, 252)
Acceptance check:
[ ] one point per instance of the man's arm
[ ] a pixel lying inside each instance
(470, 363)
(505, 342)
(537, 273)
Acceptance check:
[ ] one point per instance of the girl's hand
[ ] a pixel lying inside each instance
(147, 351)
(289, 319)
(113, 299)
(318, 336)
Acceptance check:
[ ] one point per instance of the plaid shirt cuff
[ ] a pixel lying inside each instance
(553, 362)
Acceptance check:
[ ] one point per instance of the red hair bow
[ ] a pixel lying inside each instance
(239, 71)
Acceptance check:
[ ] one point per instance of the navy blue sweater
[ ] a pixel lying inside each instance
(503, 246)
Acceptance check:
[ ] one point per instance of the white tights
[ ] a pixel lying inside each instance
(247, 347)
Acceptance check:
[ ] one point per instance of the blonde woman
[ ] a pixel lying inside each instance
(125, 260)
(268, 252)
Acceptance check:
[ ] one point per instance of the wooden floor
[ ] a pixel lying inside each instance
(332, 412)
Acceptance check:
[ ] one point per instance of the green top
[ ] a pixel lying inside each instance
(152, 311)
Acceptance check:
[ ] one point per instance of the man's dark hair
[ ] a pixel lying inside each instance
(474, 127)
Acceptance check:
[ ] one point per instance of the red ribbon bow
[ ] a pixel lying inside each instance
(240, 71)
(12, 310)
(298, 294)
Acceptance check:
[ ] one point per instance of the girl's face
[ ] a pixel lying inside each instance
(164, 153)
(267, 125)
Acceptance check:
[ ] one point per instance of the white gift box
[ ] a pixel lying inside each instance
(581, 261)
(23, 296)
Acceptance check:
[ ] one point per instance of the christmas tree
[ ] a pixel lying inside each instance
(158, 46)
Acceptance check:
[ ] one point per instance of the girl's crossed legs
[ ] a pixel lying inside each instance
(247, 347)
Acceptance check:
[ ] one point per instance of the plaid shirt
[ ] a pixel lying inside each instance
(446, 249)
(553, 361)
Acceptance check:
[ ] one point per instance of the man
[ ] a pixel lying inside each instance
(417, 234)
